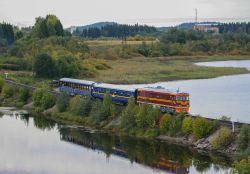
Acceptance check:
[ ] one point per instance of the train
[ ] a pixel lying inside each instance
(168, 101)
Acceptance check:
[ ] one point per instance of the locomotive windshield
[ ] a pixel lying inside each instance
(182, 98)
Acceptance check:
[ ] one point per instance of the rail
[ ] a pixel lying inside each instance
(234, 125)
(11, 82)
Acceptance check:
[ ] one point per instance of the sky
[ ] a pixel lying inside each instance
(154, 12)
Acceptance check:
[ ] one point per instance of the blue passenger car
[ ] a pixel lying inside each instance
(118, 93)
(75, 86)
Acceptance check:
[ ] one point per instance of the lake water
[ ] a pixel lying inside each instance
(222, 96)
(37, 145)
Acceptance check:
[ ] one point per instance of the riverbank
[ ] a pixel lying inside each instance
(149, 70)
(141, 70)
(113, 127)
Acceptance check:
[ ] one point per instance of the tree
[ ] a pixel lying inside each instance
(66, 66)
(62, 102)
(24, 94)
(201, 127)
(106, 108)
(42, 99)
(49, 26)
(43, 66)
(54, 26)
(165, 122)
(128, 118)
(1, 84)
(187, 125)
(7, 33)
(40, 28)
(244, 137)
(222, 139)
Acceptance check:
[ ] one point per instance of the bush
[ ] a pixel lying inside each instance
(243, 141)
(37, 96)
(47, 101)
(43, 99)
(201, 127)
(7, 91)
(222, 139)
(76, 105)
(165, 122)
(187, 125)
(176, 124)
(147, 117)
(44, 66)
(62, 102)
(95, 110)
(24, 95)
(242, 167)
(105, 110)
(129, 114)
(1, 84)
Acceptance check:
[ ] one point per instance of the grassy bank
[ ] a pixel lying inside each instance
(149, 70)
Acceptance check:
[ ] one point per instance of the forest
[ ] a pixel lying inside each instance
(49, 51)
(115, 30)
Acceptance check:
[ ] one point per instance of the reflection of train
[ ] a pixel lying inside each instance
(85, 139)
(168, 101)
(172, 166)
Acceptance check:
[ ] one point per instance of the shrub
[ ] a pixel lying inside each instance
(201, 127)
(146, 117)
(47, 101)
(222, 139)
(187, 125)
(37, 96)
(165, 122)
(129, 114)
(7, 91)
(43, 99)
(1, 84)
(242, 167)
(176, 124)
(95, 110)
(62, 102)
(24, 95)
(105, 110)
(244, 137)
(76, 105)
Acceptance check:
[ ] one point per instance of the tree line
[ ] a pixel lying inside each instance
(121, 31)
(6, 34)
(234, 27)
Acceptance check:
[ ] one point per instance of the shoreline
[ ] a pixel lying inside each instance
(200, 145)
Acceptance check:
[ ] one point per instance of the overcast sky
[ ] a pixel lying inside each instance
(79, 12)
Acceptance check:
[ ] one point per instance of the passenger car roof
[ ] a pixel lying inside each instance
(117, 87)
(84, 82)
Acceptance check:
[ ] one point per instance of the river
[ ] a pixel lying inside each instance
(223, 96)
(37, 145)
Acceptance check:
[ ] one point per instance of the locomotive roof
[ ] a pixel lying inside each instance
(111, 86)
(161, 91)
(84, 82)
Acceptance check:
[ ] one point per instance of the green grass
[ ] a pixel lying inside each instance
(143, 70)
(149, 70)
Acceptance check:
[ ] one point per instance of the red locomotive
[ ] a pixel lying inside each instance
(168, 101)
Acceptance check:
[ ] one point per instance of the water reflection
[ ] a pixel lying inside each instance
(158, 155)
(39, 145)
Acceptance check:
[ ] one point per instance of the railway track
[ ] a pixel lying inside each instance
(234, 125)
(11, 82)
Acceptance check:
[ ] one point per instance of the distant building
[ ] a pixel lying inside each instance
(206, 28)
(72, 29)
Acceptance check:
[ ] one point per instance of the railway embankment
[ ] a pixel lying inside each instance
(203, 134)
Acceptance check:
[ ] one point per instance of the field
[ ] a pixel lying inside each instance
(149, 70)
(92, 43)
